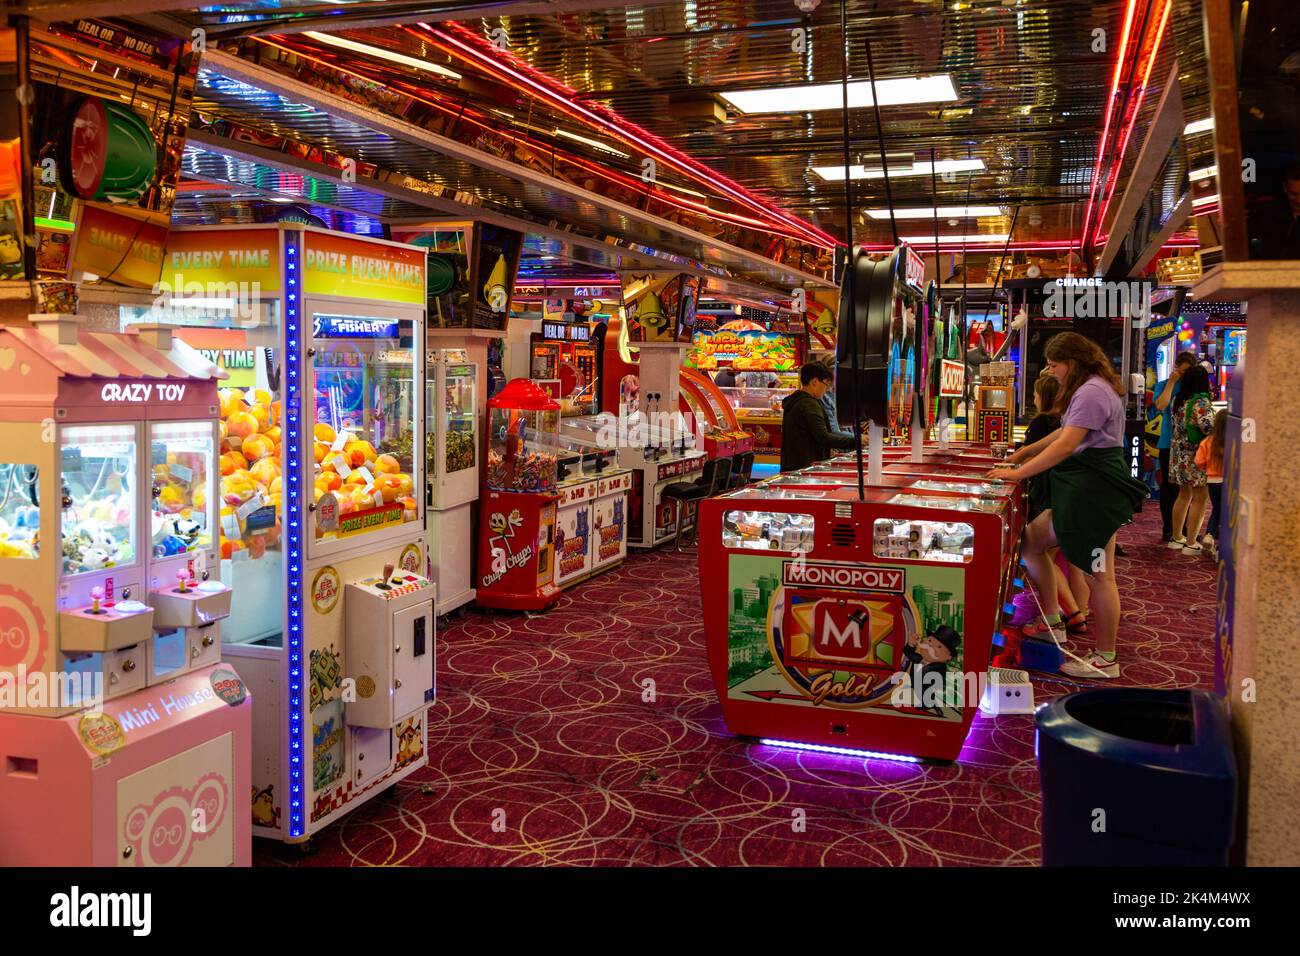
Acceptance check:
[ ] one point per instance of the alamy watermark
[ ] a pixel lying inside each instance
(240, 301)
(80, 690)
(1094, 298)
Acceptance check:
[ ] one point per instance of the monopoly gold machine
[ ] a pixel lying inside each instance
(855, 612)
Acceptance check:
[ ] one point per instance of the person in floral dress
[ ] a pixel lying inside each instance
(1193, 419)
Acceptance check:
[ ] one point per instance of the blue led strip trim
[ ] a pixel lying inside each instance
(293, 497)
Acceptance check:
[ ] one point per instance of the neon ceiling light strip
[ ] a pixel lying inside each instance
(379, 52)
(839, 751)
(608, 174)
(1105, 130)
(1136, 108)
(562, 97)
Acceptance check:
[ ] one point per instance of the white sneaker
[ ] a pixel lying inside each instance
(1094, 666)
(1194, 550)
(1176, 543)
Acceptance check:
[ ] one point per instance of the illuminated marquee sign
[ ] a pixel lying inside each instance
(914, 273)
(140, 392)
(952, 379)
(850, 577)
(339, 327)
(566, 332)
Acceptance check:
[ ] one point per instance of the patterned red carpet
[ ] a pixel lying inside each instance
(541, 727)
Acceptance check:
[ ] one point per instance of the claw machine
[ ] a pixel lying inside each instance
(125, 740)
(452, 466)
(322, 514)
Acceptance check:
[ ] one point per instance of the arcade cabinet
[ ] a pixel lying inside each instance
(124, 741)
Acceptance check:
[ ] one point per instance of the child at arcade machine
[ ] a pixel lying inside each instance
(1091, 494)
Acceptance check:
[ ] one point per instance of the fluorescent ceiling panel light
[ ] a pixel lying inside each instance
(594, 143)
(830, 96)
(952, 240)
(1200, 126)
(1206, 200)
(943, 212)
(836, 173)
(1205, 172)
(345, 44)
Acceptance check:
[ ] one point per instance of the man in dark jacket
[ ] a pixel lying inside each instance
(806, 434)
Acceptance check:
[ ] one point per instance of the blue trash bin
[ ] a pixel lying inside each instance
(1158, 763)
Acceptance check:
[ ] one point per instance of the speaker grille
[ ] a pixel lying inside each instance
(843, 535)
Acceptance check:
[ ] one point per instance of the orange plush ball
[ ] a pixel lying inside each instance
(257, 446)
(387, 465)
(360, 452)
(325, 433)
(231, 401)
(266, 471)
(241, 424)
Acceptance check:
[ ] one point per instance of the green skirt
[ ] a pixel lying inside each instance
(1092, 495)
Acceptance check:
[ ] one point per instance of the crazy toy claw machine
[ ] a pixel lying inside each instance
(322, 520)
(124, 741)
(516, 557)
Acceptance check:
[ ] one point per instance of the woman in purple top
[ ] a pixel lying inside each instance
(1091, 495)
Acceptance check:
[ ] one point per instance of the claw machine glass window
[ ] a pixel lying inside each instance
(180, 463)
(99, 497)
(20, 511)
(366, 440)
(460, 405)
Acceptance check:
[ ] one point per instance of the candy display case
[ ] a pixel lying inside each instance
(106, 486)
(516, 566)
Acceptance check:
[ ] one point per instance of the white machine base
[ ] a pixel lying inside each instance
(451, 532)
(1008, 692)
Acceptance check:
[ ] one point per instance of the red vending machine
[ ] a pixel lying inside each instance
(516, 559)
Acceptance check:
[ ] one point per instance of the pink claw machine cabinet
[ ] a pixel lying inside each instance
(322, 514)
(516, 556)
(124, 741)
